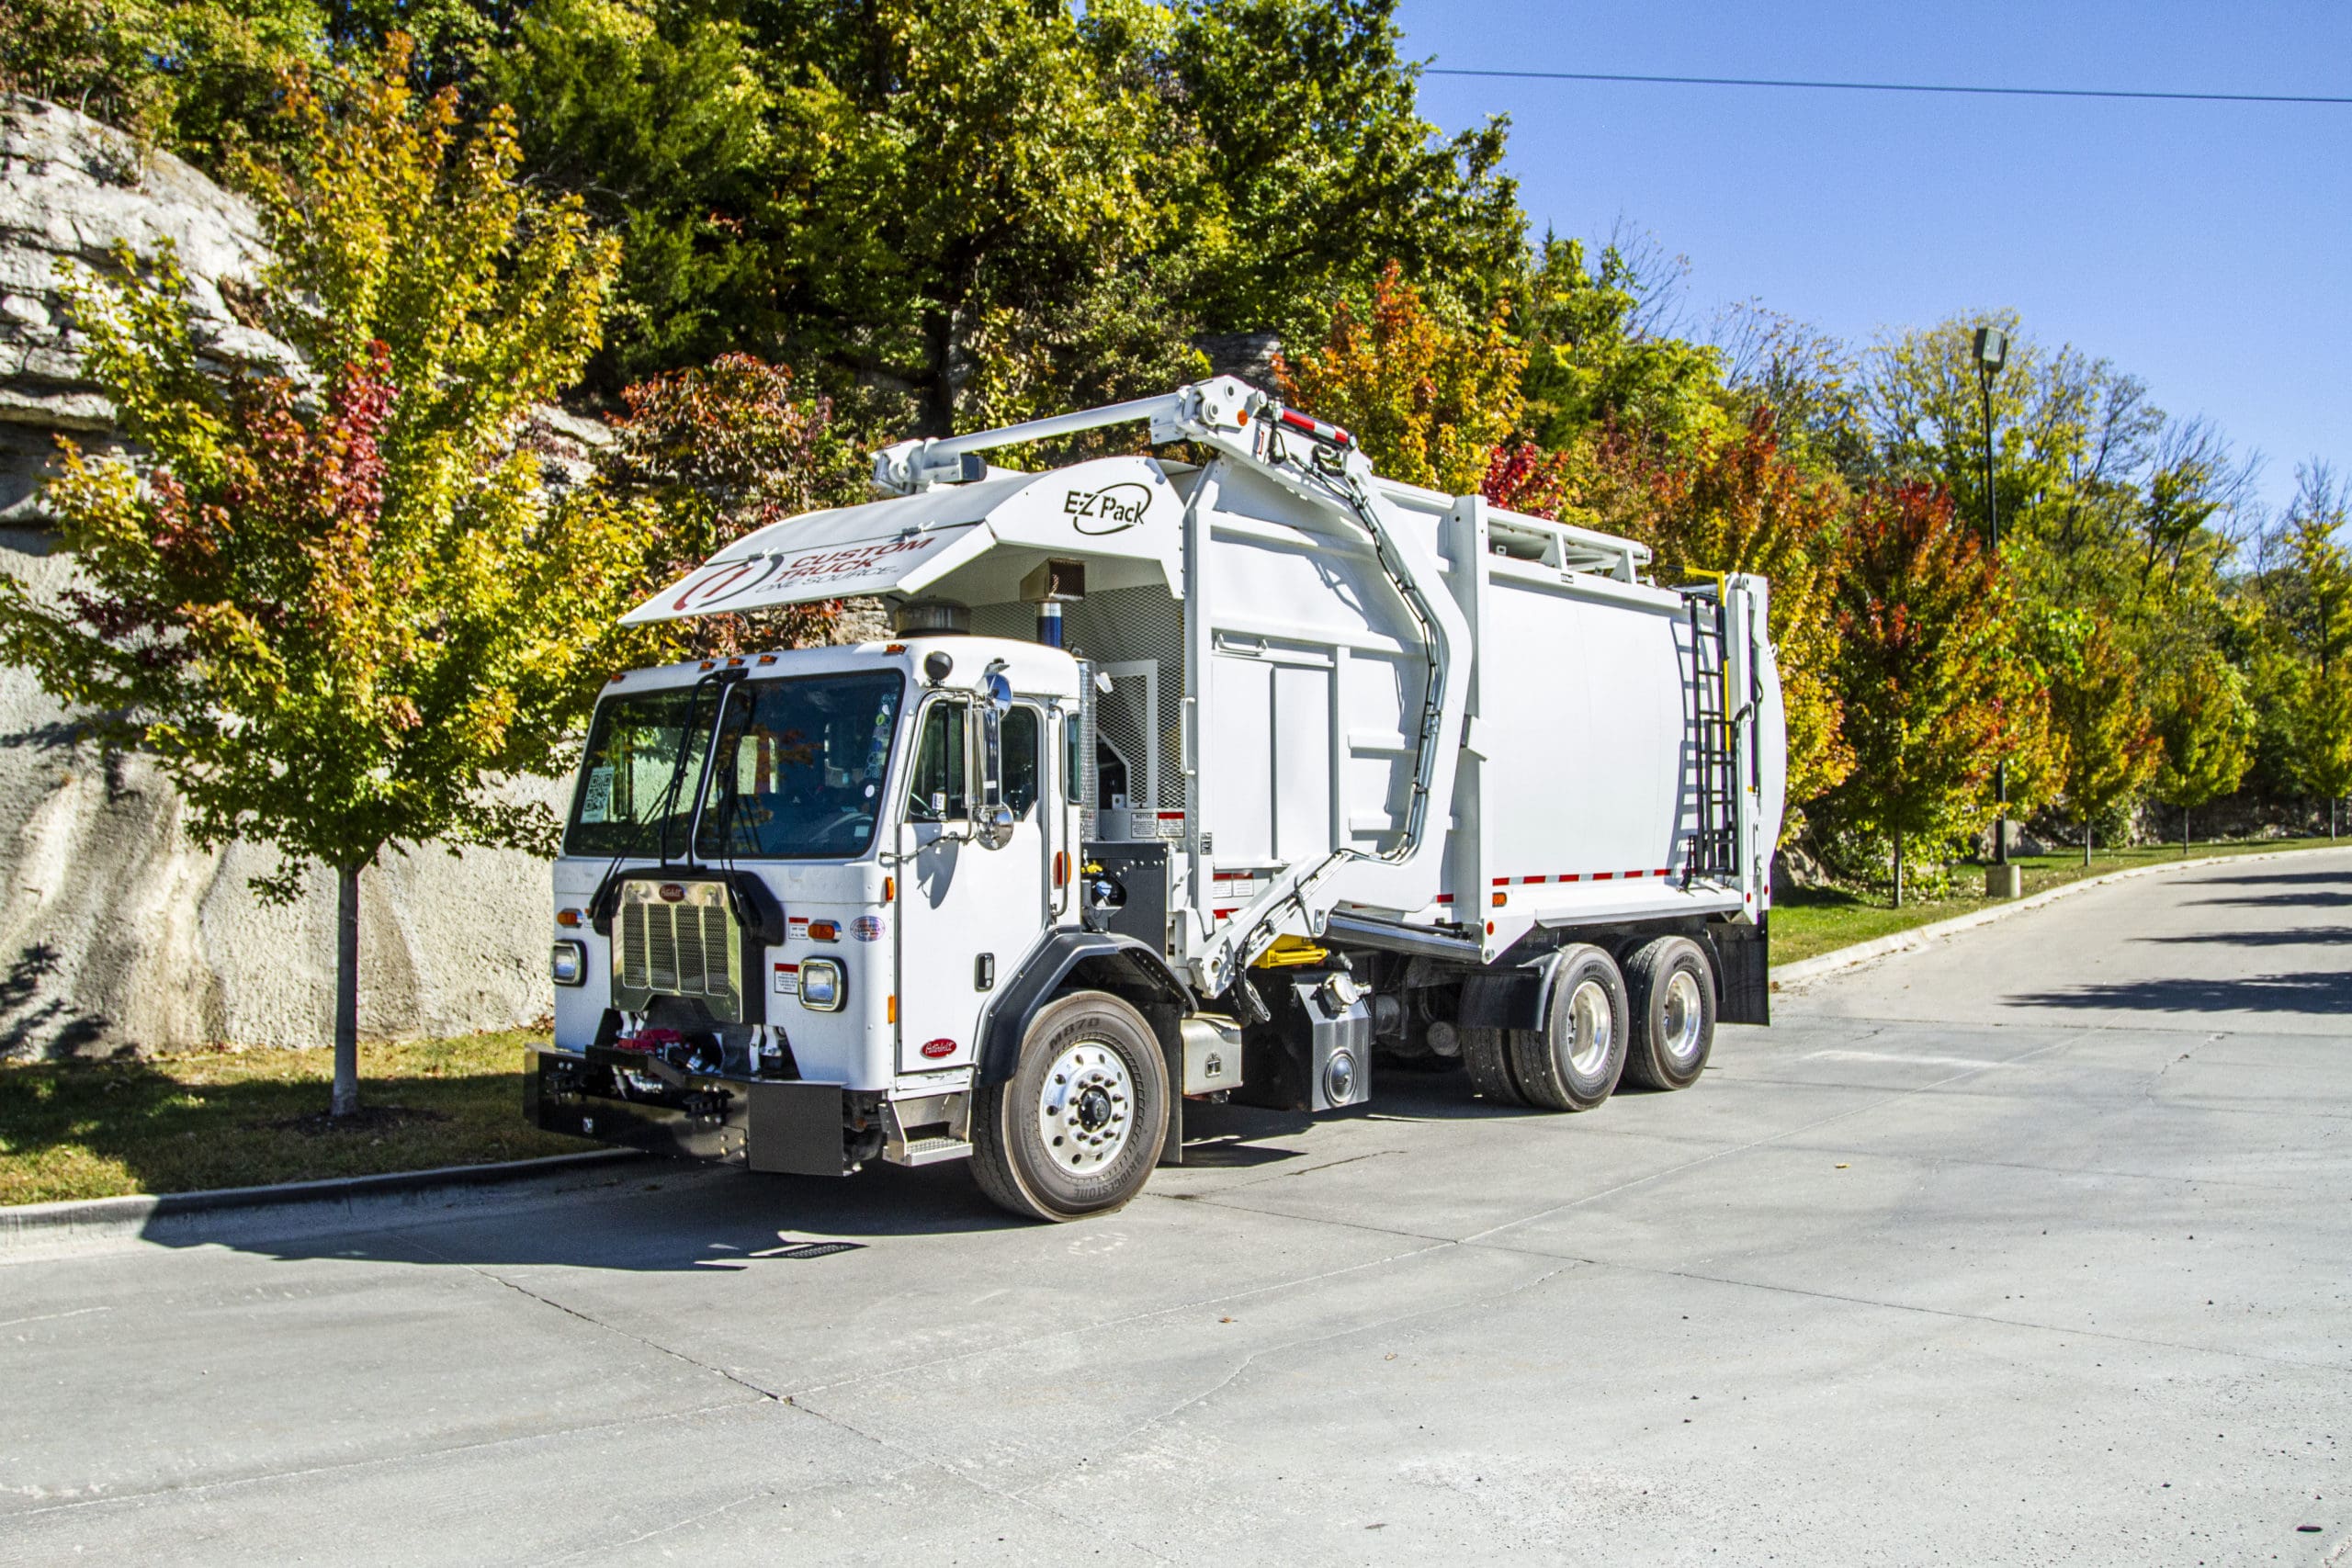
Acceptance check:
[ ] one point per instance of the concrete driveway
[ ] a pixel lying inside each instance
(2033, 1246)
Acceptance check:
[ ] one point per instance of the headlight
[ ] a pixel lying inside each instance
(568, 963)
(821, 990)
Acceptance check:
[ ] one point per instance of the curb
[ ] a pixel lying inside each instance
(1861, 953)
(26, 1227)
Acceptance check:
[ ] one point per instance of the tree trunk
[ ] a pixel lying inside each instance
(2086, 842)
(1899, 871)
(346, 1100)
(2331, 818)
(2184, 833)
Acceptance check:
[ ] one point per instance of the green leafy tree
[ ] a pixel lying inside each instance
(2108, 749)
(1594, 361)
(339, 611)
(1318, 169)
(1429, 400)
(195, 77)
(2206, 726)
(986, 208)
(1931, 689)
(2323, 736)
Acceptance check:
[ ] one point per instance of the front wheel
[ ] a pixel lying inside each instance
(1078, 1127)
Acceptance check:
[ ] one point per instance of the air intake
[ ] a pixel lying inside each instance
(930, 617)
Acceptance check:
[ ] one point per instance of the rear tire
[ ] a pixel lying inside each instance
(1078, 1127)
(1487, 1059)
(1672, 988)
(1574, 1061)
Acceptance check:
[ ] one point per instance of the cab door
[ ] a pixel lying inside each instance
(966, 913)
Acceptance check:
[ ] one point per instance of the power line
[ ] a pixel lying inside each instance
(1887, 86)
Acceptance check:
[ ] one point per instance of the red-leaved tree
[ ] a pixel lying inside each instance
(726, 448)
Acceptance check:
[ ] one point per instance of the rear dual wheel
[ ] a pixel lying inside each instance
(1574, 1061)
(1672, 989)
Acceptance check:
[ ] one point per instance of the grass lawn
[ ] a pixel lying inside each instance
(1822, 921)
(230, 1118)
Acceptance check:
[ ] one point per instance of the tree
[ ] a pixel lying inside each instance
(2205, 726)
(2107, 745)
(196, 77)
(1594, 361)
(723, 450)
(1429, 400)
(1931, 690)
(2304, 580)
(2323, 736)
(339, 611)
(1318, 169)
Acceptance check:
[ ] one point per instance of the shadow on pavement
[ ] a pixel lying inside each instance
(650, 1217)
(2328, 991)
(2315, 936)
(656, 1216)
(2278, 878)
(2283, 900)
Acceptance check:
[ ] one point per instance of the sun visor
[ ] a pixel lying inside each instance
(1118, 507)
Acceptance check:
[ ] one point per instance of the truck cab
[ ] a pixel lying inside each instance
(793, 886)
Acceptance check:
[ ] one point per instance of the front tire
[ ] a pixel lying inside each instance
(1078, 1127)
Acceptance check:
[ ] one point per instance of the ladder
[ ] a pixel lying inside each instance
(1713, 839)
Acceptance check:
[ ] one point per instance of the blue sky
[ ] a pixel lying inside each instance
(2205, 247)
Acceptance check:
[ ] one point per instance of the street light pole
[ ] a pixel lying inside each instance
(1991, 353)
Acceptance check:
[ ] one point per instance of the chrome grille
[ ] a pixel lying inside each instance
(688, 946)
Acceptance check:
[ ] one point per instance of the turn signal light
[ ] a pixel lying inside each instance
(569, 919)
(1501, 900)
(825, 931)
(1061, 867)
(890, 888)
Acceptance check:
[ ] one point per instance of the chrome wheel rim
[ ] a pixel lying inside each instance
(1592, 1028)
(1086, 1108)
(1683, 1016)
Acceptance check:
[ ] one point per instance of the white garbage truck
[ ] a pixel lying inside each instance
(1232, 770)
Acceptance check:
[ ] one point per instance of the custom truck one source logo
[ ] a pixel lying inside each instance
(774, 574)
(1114, 509)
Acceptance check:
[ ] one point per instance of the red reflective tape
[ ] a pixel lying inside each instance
(1445, 898)
(1573, 876)
(1664, 871)
(1529, 881)
(1221, 914)
(1502, 882)
(1602, 876)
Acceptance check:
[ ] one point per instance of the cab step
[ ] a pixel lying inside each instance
(927, 1151)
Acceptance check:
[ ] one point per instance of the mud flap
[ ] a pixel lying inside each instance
(1743, 971)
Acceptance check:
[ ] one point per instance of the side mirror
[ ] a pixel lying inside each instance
(991, 819)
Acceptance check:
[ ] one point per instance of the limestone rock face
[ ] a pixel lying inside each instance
(115, 930)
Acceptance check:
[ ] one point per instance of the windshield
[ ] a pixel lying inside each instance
(800, 769)
(633, 795)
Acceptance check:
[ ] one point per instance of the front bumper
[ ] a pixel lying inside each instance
(787, 1126)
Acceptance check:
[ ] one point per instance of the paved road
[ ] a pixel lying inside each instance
(2034, 1248)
